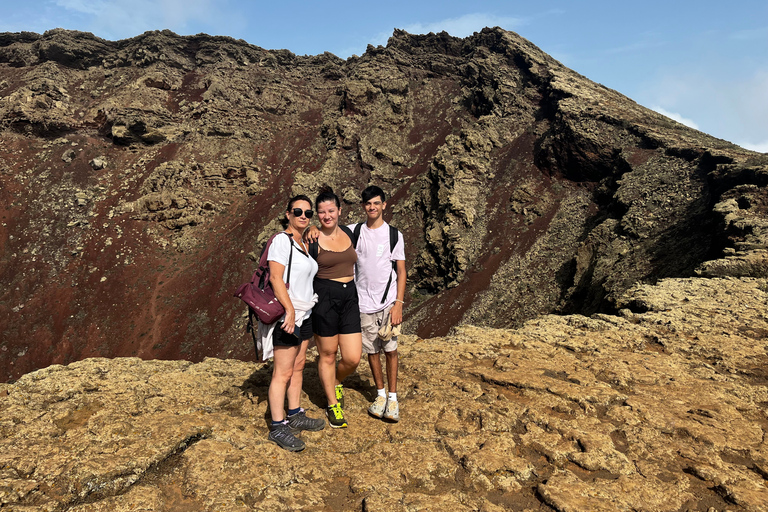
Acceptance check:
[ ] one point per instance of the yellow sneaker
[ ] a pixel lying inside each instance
(340, 394)
(335, 416)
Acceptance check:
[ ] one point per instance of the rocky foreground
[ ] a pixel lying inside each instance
(660, 408)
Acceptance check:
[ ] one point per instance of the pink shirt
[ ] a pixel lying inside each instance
(374, 266)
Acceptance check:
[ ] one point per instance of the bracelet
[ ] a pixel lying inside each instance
(400, 301)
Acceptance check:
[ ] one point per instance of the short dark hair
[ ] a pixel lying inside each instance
(371, 192)
(327, 194)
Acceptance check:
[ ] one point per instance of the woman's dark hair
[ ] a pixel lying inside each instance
(371, 192)
(291, 201)
(326, 194)
(300, 197)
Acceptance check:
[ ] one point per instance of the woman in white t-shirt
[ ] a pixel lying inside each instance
(289, 262)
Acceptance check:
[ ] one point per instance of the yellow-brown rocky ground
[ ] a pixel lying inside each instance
(660, 408)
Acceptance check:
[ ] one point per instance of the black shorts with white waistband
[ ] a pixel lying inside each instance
(337, 310)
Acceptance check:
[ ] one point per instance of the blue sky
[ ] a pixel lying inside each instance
(700, 62)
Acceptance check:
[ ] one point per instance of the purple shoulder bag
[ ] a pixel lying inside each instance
(258, 293)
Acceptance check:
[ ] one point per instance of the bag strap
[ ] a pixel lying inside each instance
(262, 272)
(356, 233)
(265, 250)
(393, 236)
(290, 259)
(262, 269)
(251, 327)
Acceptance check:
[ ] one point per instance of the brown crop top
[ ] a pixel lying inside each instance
(333, 265)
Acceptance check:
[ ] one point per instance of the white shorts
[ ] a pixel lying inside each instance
(370, 324)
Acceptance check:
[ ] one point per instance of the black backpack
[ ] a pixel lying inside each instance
(353, 235)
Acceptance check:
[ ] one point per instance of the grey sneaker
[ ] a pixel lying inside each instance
(281, 435)
(392, 412)
(378, 406)
(300, 421)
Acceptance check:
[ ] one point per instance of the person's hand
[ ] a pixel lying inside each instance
(311, 234)
(289, 321)
(396, 313)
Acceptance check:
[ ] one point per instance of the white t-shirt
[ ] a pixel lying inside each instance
(374, 266)
(303, 268)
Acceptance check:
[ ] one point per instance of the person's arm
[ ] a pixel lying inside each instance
(281, 293)
(396, 313)
(311, 234)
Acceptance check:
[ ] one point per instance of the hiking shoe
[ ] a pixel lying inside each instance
(378, 406)
(340, 395)
(335, 416)
(392, 412)
(281, 435)
(300, 421)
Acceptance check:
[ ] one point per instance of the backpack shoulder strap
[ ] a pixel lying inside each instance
(353, 234)
(265, 250)
(356, 233)
(290, 259)
(393, 235)
(314, 248)
(262, 273)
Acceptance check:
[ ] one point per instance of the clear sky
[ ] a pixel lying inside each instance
(701, 62)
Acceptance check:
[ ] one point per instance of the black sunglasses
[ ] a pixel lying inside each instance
(298, 211)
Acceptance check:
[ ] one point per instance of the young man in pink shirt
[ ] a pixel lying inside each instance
(381, 278)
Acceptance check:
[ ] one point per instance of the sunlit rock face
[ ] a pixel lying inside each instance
(139, 178)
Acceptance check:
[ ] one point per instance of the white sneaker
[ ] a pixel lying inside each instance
(392, 412)
(377, 407)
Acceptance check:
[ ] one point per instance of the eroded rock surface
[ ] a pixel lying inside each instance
(137, 176)
(661, 407)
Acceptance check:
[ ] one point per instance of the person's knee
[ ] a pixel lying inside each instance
(301, 357)
(282, 376)
(325, 358)
(327, 350)
(298, 365)
(352, 359)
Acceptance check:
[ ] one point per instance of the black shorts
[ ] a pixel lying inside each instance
(336, 311)
(280, 338)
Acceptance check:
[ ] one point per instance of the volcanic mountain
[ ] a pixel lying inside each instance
(140, 178)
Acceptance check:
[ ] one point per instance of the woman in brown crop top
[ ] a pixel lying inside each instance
(336, 265)
(336, 316)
